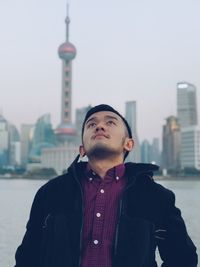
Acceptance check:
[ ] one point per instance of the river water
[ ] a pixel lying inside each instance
(16, 197)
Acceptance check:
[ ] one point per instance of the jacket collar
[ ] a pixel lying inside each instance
(139, 168)
(132, 169)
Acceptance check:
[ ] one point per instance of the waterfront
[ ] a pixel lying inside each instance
(16, 197)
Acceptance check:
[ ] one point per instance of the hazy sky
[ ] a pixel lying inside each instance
(126, 50)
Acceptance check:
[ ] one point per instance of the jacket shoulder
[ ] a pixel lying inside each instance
(55, 184)
(162, 192)
(141, 176)
(138, 169)
(55, 192)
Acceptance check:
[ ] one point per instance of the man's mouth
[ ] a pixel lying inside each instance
(100, 135)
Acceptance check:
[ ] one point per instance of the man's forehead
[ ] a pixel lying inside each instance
(103, 114)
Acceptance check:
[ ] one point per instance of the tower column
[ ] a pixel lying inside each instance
(66, 107)
(67, 53)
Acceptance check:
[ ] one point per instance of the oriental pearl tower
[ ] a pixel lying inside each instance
(67, 52)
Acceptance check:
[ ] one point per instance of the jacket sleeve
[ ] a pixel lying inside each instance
(175, 247)
(27, 253)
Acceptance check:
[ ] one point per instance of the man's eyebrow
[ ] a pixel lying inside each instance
(91, 119)
(111, 117)
(106, 117)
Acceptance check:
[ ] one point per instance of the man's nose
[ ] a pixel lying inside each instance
(100, 127)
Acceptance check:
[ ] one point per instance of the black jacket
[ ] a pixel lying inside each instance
(147, 219)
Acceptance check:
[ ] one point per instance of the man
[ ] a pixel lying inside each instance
(104, 213)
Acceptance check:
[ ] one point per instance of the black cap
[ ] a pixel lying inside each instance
(105, 107)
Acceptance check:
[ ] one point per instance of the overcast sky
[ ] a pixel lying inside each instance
(126, 50)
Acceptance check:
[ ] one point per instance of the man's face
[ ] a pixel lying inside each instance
(105, 135)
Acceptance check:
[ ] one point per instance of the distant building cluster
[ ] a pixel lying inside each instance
(40, 146)
(181, 133)
(9, 144)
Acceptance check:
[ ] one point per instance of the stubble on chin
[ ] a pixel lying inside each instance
(101, 152)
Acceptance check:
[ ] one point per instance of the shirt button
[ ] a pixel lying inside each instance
(90, 179)
(102, 191)
(117, 178)
(98, 214)
(95, 242)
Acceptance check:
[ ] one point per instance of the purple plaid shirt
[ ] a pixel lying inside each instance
(101, 199)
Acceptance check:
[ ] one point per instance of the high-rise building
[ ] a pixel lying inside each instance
(66, 131)
(43, 137)
(171, 144)
(4, 141)
(80, 115)
(150, 153)
(130, 116)
(145, 152)
(14, 145)
(43, 132)
(15, 154)
(9, 144)
(186, 104)
(190, 147)
(188, 117)
(26, 139)
(155, 151)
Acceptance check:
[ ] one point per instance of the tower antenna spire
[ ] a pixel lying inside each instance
(67, 21)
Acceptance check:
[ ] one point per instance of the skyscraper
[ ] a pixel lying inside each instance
(186, 104)
(26, 135)
(145, 152)
(9, 144)
(155, 151)
(14, 145)
(43, 137)
(171, 144)
(190, 147)
(80, 115)
(130, 116)
(190, 132)
(43, 132)
(4, 141)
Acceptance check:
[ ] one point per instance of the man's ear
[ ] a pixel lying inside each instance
(129, 144)
(82, 151)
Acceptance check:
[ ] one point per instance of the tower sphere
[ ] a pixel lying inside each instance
(65, 132)
(67, 51)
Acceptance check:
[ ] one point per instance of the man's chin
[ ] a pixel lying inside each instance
(100, 151)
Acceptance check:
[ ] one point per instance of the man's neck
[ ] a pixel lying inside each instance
(102, 166)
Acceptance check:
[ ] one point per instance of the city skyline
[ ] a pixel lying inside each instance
(139, 50)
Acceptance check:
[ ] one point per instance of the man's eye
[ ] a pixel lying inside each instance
(91, 125)
(110, 122)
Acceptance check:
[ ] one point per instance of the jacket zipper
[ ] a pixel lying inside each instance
(81, 231)
(82, 208)
(117, 228)
(119, 216)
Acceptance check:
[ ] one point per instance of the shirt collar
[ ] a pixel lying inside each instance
(117, 172)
